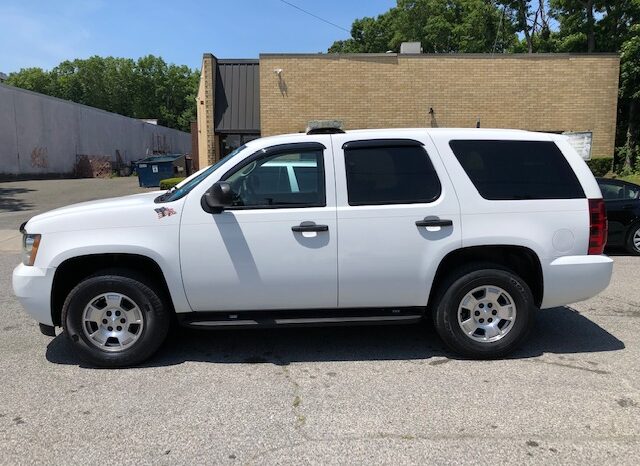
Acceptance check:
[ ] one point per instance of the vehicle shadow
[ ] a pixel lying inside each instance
(10, 200)
(561, 330)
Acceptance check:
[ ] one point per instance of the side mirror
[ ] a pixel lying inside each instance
(217, 198)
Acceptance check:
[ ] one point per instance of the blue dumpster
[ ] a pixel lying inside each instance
(152, 170)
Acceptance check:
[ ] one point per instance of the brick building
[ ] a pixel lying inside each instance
(239, 100)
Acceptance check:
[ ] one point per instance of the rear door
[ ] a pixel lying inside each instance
(398, 216)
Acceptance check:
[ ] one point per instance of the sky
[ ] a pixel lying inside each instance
(42, 33)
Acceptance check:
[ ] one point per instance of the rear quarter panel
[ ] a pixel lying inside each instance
(550, 228)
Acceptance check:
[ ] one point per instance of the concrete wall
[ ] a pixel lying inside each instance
(42, 135)
(540, 92)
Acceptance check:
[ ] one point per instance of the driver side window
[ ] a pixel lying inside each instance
(287, 179)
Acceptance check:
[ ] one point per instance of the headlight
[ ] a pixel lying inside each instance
(30, 245)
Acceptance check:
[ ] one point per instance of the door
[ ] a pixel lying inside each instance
(397, 218)
(276, 247)
(619, 210)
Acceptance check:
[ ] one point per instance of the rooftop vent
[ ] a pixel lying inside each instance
(411, 48)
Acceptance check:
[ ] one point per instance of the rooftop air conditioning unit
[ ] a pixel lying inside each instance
(411, 48)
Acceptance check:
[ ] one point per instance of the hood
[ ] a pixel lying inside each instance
(110, 203)
(130, 211)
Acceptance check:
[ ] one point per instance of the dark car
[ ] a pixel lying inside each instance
(622, 200)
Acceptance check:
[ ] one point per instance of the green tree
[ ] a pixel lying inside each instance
(146, 88)
(531, 20)
(32, 79)
(630, 94)
(577, 21)
(441, 26)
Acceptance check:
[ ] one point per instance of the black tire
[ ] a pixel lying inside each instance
(631, 247)
(156, 317)
(456, 288)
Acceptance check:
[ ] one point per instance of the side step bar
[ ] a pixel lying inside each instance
(315, 318)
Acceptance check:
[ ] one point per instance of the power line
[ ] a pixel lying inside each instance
(315, 16)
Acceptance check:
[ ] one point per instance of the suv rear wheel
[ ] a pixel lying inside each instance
(115, 319)
(484, 312)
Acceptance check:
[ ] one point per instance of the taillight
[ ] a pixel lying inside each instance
(597, 226)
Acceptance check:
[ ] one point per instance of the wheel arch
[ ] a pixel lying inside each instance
(520, 259)
(73, 270)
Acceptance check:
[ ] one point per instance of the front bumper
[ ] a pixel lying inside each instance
(571, 279)
(32, 286)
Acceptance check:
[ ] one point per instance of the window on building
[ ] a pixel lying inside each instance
(390, 175)
(509, 170)
(280, 180)
(230, 142)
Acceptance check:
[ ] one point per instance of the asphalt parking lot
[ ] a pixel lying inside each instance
(383, 395)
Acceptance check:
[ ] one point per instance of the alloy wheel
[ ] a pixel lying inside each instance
(487, 314)
(112, 321)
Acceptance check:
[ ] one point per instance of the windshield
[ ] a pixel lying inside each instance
(183, 188)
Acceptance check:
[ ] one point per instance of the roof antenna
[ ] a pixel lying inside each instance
(478, 122)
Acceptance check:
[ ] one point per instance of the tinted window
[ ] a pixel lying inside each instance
(390, 175)
(611, 191)
(506, 170)
(280, 180)
(631, 191)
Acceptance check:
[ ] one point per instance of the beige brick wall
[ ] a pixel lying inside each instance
(205, 111)
(534, 92)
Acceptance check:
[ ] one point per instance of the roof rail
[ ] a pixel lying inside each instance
(325, 131)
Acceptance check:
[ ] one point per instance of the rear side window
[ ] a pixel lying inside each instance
(390, 175)
(510, 170)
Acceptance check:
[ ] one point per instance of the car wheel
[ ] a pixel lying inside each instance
(115, 319)
(484, 312)
(633, 241)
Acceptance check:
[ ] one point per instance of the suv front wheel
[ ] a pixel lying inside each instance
(485, 312)
(115, 319)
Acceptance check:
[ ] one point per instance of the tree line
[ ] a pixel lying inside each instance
(143, 88)
(519, 26)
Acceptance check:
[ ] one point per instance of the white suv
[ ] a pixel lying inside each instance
(475, 228)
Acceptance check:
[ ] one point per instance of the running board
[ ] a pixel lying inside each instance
(315, 318)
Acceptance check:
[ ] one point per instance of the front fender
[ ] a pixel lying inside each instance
(162, 247)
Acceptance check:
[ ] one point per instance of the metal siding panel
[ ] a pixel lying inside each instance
(256, 97)
(237, 90)
(242, 97)
(235, 93)
(250, 98)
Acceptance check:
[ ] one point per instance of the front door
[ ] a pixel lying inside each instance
(276, 248)
(398, 216)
